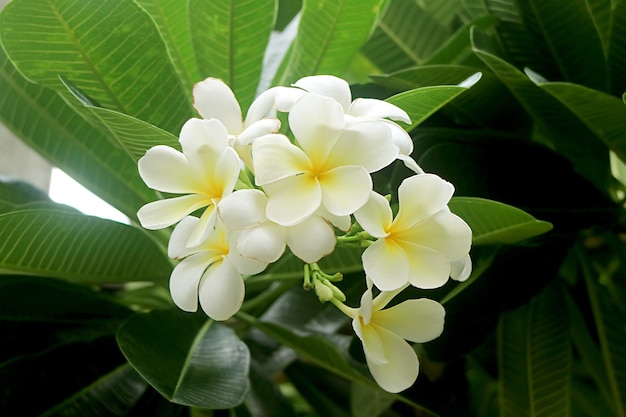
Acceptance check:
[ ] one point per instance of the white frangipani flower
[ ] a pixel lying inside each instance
(330, 167)
(384, 334)
(206, 171)
(210, 271)
(265, 240)
(360, 109)
(421, 243)
(213, 99)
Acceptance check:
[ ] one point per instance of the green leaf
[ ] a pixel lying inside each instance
(423, 102)
(24, 298)
(535, 358)
(111, 51)
(603, 114)
(493, 222)
(171, 19)
(600, 12)
(189, 359)
(616, 55)
(134, 135)
(329, 36)
(46, 123)
(366, 401)
(78, 248)
(568, 31)
(398, 41)
(112, 395)
(19, 192)
(230, 37)
(609, 318)
(564, 131)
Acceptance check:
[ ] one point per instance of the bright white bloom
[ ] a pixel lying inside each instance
(206, 171)
(330, 167)
(384, 332)
(265, 240)
(213, 99)
(419, 245)
(210, 271)
(360, 109)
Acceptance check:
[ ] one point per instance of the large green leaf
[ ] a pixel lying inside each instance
(609, 318)
(78, 248)
(399, 39)
(603, 114)
(493, 222)
(111, 51)
(230, 37)
(171, 18)
(568, 31)
(535, 358)
(616, 56)
(189, 359)
(564, 130)
(423, 102)
(329, 36)
(47, 124)
(24, 298)
(135, 136)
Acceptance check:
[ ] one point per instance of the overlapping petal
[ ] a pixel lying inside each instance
(426, 324)
(329, 86)
(276, 158)
(421, 196)
(265, 242)
(293, 199)
(429, 269)
(185, 280)
(311, 239)
(386, 264)
(368, 108)
(163, 213)
(221, 291)
(375, 216)
(213, 99)
(165, 169)
(345, 189)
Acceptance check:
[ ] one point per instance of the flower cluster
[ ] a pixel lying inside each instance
(256, 192)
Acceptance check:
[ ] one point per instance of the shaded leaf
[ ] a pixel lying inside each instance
(603, 114)
(535, 358)
(563, 130)
(127, 69)
(329, 36)
(113, 395)
(572, 41)
(16, 191)
(616, 56)
(79, 248)
(46, 123)
(229, 39)
(398, 41)
(189, 359)
(493, 222)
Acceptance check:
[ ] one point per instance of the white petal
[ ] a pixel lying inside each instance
(184, 281)
(203, 227)
(202, 136)
(444, 232)
(177, 246)
(345, 189)
(421, 196)
(292, 199)
(402, 368)
(221, 291)
(329, 86)
(163, 213)
(225, 174)
(415, 320)
(316, 122)
(372, 345)
(165, 169)
(276, 98)
(375, 216)
(265, 242)
(276, 158)
(377, 109)
(366, 144)
(213, 99)
(410, 164)
(243, 209)
(312, 239)
(428, 268)
(341, 222)
(400, 138)
(386, 264)
(461, 269)
(257, 129)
